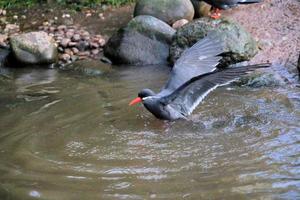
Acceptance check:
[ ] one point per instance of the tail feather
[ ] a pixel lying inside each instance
(249, 1)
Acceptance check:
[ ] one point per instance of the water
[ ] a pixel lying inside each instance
(68, 136)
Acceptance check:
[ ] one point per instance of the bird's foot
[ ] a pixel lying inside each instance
(216, 14)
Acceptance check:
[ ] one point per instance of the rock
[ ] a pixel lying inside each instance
(168, 11)
(89, 67)
(94, 45)
(95, 51)
(82, 45)
(83, 53)
(259, 79)
(72, 44)
(179, 23)
(65, 57)
(202, 9)
(238, 44)
(11, 28)
(144, 41)
(65, 41)
(280, 74)
(3, 56)
(69, 51)
(62, 28)
(76, 38)
(34, 48)
(3, 39)
(75, 50)
(69, 34)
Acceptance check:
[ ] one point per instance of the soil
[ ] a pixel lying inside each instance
(275, 24)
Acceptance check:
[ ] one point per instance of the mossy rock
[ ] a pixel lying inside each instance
(34, 48)
(238, 43)
(88, 67)
(168, 11)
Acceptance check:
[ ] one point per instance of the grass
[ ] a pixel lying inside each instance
(88, 3)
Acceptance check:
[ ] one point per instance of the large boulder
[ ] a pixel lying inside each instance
(88, 67)
(145, 40)
(168, 11)
(238, 43)
(34, 48)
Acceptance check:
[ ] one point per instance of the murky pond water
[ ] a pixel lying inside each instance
(68, 136)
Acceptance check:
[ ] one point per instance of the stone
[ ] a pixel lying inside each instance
(180, 23)
(76, 38)
(75, 50)
(238, 43)
(95, 51)
(82, 45)
(65, 57)
(3, 38)
(94, 45)
(4, 53)
(89, 67)
(72, 44)
(34, 48)
(202, 9)
(144, 41)
(83, 53)
(65, 41)
(69, 34)
(62, 28)
(69, 51)
(168, 11)
(11, 28)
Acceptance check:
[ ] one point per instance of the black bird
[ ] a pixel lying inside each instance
(193, 76)
(226, 4)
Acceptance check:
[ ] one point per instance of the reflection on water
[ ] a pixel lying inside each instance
(66, 136)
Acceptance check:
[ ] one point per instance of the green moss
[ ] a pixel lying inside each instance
(88, 3)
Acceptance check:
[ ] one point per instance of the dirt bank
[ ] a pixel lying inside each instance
(276, 24)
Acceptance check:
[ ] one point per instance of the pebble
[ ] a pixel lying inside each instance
(64, 43)
(75, 50)
(95, 51)
(62, 27)
(101, 15)
(2, 12)
(76, 38)
(94, 45)
(69, 34)
(65, 57)
(179, 23)
(73, 42)
(69, 52)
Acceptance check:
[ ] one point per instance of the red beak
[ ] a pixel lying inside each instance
(135, 101)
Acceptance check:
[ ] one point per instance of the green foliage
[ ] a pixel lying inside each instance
(89, 3)
(17, 3)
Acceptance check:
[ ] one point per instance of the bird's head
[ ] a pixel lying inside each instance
(143, 94)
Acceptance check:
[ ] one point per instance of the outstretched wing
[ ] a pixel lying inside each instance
(201, 58)
(187, 97)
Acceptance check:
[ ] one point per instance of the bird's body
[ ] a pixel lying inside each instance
(194, 75)
(226, 4)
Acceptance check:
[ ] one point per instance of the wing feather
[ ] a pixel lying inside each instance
(188, 96)
(201, 58)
